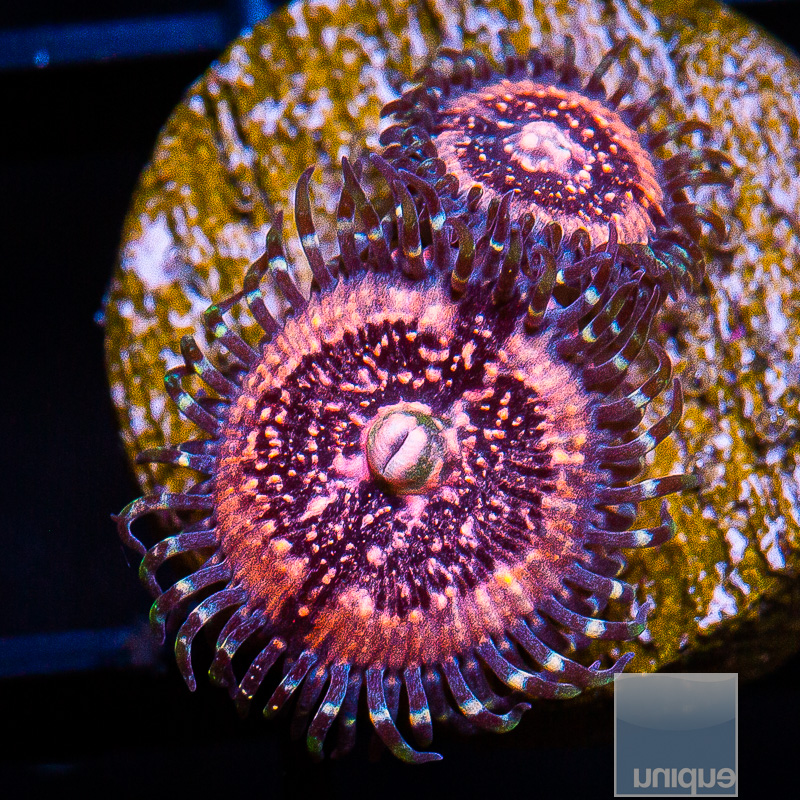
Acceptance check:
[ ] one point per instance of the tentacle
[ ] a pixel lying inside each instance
(647, 490)
(596, 628)
(473, 709)
(556, 664)
(677, 130)
(345, 233)
(695, 178)
(571, 346)
(447, 185)
(369, 217)
(431, 169)
(642, 537)
(640, 112)
(475, 64)
(595, 83)
(651, 438)
(391, 135)
(408, 230)
(309, 694)
(576, 599)
(696, 158)
(236, 631)
(528, 683)
(328, 710)
(418, 710)
(152, 503)
(505, 286)
(574, 272)
(612, 245)
(527, 223)
(169, 547)
(567, 71)
(592, 296)
(293, 678)
(607, 588)
(256, 672)
(279, 267)
(474, 196)
(625, 86)
(398, 106)
(255, 297)
(579, 244)
(198, 362)
(209, 608)
(183, 589)
(436, 216)
(616, 367)
(202, 462)
(681, 257)
(386, 729)
(392, 685)
(498, 237)
(621, 517)
(309, 240)
(187, 405)
(617, 411)
(217, 327)
(539, 62)
(542, 291)
(440, 707)
(689, 214)
(465, 261)
(475, 676)
(347, 718)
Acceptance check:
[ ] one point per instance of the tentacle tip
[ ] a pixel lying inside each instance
(424, 739)
(189, 679)
(270, 710)
(242, 703)
(124, 531)
(217, 679)
(158, 625)
(644, 612)
(622, 662)
(424, 758)
(515, 715)
(315, 752)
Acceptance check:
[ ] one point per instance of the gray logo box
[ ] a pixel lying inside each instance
(676, 734)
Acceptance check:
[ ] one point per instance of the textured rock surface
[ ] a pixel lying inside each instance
(306, 87)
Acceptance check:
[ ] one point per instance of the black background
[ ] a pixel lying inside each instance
(72, 144)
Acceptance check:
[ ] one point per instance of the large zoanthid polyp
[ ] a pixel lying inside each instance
(422, 480)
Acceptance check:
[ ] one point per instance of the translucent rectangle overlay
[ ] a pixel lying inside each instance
(676, 734)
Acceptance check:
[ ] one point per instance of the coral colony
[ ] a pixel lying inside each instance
(420, 483)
